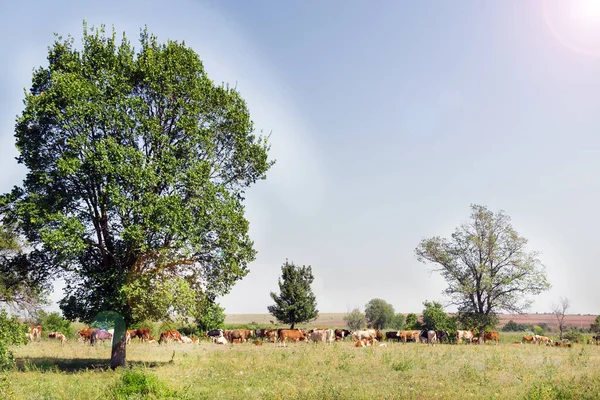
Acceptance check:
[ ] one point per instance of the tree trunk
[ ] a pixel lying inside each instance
(292, 327)
(119, 343)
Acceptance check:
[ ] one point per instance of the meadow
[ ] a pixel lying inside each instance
(306, 371)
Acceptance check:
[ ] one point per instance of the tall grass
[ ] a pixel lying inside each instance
(311, 371)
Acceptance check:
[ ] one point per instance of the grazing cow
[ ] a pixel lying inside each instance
(258, 343)
(221, 340)
(428, 337)
(375, 333)
(291, 334)
(561, 344)
(491, 336)
(322, 335)
(442, 336)
(214, 334)
(271, 335)
(366, 334)
(468, 336)
(340, 334)
(143, 334)
(528, 339)
(100, 334)
(239, 335)
(36, 332)
(392, 335)
(168, 336)
(131, 334)
(85, 334)
(186, 339)
(29, 336)
(59, 336)
(409, 335)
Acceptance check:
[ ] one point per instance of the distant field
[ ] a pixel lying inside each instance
(337, 319)
(312, 371)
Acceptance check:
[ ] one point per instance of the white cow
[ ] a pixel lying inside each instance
(186, 339)
(221, 340)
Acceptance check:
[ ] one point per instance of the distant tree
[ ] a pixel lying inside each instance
(434, 317)
(538, 330)
(54, 322)
(379, 313)
(397, 322)
(512, 326)
(412, 322)
(212, 316)
(595, 326)
(560, 311)
(355, 320)
(487, 267)
(296, 302)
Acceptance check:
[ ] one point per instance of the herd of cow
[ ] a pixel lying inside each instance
(362, 338)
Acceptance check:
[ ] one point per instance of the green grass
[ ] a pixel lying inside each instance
(307, 371)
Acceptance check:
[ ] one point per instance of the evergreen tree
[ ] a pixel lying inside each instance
(296, 302)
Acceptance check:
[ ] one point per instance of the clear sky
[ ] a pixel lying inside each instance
(388, 119)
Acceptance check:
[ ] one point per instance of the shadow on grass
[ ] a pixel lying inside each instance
(73, 365)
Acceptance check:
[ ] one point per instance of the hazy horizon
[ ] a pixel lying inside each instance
(388, 120)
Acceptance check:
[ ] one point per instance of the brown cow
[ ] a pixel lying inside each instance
(409, 335)
(291, 334)
(258, 343)
(143, 334)
(35, 332)
(59, 336)
(528, 339)
(168, 336)
(131, 334)
(238, 335)
(491, 336)
(85, 334)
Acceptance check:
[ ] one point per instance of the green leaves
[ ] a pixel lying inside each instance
(137, 165)
(487, 267)
(296, 302)
(379, 313)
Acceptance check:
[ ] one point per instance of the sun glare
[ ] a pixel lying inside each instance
(575, 24)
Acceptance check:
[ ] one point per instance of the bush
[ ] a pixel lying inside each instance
(512, 326)
(54, 322)
(355, 320)
(212, 317)
(412, 322)
(136, 384)
(12, 333)
(573, 334)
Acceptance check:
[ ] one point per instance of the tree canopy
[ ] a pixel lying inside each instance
(487, 267)
(296, 302)
(435, 318)
(379, 313)
(355, 320)
(412, 321)
(595, 326)
(137, 170)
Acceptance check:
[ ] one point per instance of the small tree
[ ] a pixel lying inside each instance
(54, 322)
(379, 313)
(212, 317)
(434, 316)
(560, 310)
(412, 322)
(296, 302)
(397, 322)
(595, 326)
(355, 320)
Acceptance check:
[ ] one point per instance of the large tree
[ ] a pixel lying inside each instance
(296, 302)
(379, 313)
(487, 267)
(137, 168)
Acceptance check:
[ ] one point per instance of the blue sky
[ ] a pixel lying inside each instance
(387, 121)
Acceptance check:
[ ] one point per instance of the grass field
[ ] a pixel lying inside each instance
(310, 371)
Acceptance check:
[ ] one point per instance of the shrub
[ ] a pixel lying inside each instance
(54, 322)
(397, 322)
(573, 334)
(12, 333)
(212, 317)
(355, 320)
(137, 384)
(412, 322)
